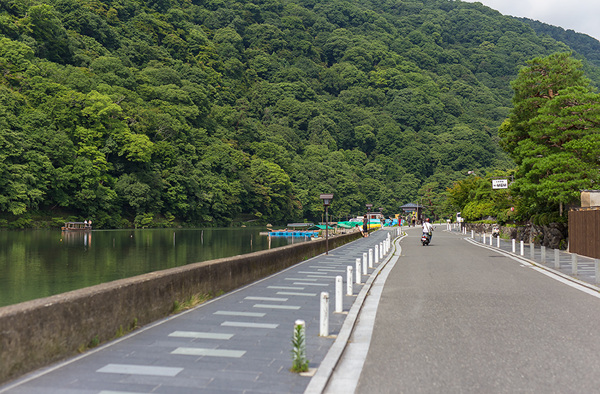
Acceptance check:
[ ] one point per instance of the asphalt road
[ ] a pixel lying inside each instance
(458, 318)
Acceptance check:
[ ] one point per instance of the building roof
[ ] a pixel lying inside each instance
(411, 205)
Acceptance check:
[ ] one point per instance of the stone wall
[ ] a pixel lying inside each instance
(553, 235)
(36, 333)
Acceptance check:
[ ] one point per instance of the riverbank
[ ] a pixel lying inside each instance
(55, 219)
(42, 331)
(42, 263)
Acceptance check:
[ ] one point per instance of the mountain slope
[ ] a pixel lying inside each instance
(207, 112)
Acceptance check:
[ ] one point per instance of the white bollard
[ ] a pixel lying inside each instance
(339, 297)
(532, 251)
(364, 264)
(483, 239)
(498, 242)
(514, 249)
(597, 270)
(491, 240)
(543, 254)
(370, 258)
(349, 289)
(358, 271)
(324, 315)
(376, 254)
(472, 234)
(574, 264)
(556, 258)
(522, 250)
(381, 250)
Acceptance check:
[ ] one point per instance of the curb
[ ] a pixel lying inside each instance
(323, 375)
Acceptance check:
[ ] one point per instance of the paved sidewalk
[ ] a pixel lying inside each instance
(581, 269)
(239, 342)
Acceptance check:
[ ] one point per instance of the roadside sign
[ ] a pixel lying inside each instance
(499, 183)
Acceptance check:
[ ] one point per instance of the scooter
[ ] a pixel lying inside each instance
(425, 238)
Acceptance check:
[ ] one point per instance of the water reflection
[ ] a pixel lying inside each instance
(36, 264)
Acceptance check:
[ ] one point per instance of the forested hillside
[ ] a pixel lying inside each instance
(581, 43)
(160, 112)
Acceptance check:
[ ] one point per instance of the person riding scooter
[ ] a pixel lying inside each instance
(427, 230)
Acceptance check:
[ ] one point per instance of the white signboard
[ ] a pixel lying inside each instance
(499, 183)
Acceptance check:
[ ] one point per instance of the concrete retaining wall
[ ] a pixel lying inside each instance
(36, 333)
(553, 235)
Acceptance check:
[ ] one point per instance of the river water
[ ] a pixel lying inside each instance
(40, 263)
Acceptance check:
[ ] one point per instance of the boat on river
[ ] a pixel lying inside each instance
(77, 226)
(293, 233)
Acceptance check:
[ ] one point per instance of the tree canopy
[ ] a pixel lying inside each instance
(157, 112)
(553, 133)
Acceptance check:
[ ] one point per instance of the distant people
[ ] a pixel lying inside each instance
(361, 230)
(413, 220)
(365, 226)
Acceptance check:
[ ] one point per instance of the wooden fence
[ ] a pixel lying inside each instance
(584, 232)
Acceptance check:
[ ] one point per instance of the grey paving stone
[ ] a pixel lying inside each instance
(263, 368)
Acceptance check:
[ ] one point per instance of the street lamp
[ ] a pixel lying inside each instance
(326, 203)
(369, 206)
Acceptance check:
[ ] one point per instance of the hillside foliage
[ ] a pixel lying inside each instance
(210, 112)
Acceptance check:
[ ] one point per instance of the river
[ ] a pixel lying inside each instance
(41, 263)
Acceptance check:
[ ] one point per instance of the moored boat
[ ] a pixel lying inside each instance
(77, 226)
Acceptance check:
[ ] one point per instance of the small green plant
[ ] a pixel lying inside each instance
(299, 361)
(191, 302)
(94, 342)
(176, 307)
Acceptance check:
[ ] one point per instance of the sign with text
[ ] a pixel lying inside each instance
(499, 183)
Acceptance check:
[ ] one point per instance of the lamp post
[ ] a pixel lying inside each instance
(326, 202)
(369, 206)
(381, 218)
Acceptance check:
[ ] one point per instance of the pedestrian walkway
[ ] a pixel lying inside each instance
(582, 269)
(239, 342)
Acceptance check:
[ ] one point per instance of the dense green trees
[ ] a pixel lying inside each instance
(162, 112)
(553, 133)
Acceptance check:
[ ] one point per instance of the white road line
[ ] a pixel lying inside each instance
(148, 370)
(234, 313)
(285, 287)
(200, 335)
(267, 306)
(248, 324)
(297, 294)
(266, 299)
(193, 351)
